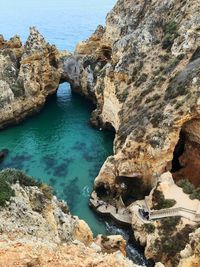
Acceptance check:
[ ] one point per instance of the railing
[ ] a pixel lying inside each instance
(173, 212)
(156, 214)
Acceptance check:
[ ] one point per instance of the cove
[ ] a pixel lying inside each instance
(59, 147)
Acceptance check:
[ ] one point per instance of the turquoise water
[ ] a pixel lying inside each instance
(59, 147)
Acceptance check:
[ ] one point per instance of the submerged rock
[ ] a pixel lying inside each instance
(3, 154)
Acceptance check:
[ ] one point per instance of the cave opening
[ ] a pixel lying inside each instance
(106, 53)
(101, 191)
(186, 158)
(178, 152)
(132, 189)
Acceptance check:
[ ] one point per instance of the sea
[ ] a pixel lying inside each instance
(58, 146)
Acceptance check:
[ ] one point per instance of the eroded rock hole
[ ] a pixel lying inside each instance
(178, 151)
(101, 191)
(186, 161)
(106, 53)
(132, 189)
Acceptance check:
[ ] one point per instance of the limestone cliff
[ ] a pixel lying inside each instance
(36, 229)
(142, 69)
(29, 73)
(190, 255)
(143, 72)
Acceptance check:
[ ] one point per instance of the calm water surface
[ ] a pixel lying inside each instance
(58, 146)
(62, 22)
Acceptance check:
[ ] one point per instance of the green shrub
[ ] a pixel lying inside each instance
(6, 191)
(159, 201)
(170, 31)
(196, 194)
(150, 228)
(169, 224)
(11, 176)
(187, 187)
(47, 191)
(170, 27)
(171, 246)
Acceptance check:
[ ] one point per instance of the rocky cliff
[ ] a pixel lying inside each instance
(142, 69)
(29, 73)
(36, 229)
(143, 72)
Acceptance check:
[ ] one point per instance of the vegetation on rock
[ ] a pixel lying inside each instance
(171, 241)
(12, 176)
(159, 201)
(170, 31)
(6, 191)
(150, 228)
(189, 188)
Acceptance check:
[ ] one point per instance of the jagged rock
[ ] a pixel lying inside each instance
(65, 255)
(110, 244)
(3, 154)
(29, 74)
(147, 89)
(38, 230)
(141, 71)
(190, 255)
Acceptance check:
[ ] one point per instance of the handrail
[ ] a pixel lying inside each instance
(178, 209)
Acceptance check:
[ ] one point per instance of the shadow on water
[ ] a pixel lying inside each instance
(72, 193)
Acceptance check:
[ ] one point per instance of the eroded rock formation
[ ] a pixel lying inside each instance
(38, 230)
(144, 69)
(143, 72)
(29, 74)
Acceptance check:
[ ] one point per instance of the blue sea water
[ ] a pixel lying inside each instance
(62, 22)
(58, 146)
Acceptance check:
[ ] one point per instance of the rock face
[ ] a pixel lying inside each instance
(38, 230)
(190, 255)
(143, 72)
(29, 74)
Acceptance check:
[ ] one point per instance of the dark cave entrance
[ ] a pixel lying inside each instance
(186, 158)
(133, 188)
(106, 52)
(101, 191)
(178, 151)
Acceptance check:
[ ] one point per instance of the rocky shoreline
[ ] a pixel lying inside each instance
(142, 72)
(38, 230)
